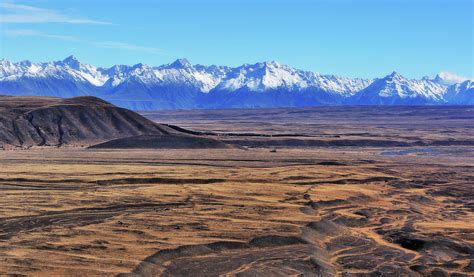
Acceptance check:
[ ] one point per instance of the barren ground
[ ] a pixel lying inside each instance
(347, 211)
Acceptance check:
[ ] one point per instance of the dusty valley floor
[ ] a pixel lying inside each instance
(255, 209)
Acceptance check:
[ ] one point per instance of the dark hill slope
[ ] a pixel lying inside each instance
(162, 142)
(43, 121)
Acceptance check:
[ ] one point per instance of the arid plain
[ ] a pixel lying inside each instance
(348, 191)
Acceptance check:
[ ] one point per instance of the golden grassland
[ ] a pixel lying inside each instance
(80, 212)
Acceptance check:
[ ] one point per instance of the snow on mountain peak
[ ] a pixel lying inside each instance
(5, 63)
(180, 63)
(395, 87)
(273, 64)
(258, 77)
(72, 62)
(263, 77)
(395, 76)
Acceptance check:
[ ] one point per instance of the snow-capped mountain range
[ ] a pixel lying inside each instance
(183, 85)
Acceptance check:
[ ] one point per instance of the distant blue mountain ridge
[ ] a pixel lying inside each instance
(181, 85)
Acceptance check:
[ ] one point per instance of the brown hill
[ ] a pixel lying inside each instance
(44, 121)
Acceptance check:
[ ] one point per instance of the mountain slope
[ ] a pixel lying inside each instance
(395, 89)
(181, 85)
(44, 121)
(461, 94)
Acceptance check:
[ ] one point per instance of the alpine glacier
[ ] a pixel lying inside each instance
(181, 85)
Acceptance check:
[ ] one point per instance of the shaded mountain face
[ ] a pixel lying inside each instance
(181, 85)
(43, 121)
(462, 93)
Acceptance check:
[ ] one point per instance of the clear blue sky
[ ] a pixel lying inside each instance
(365, 38)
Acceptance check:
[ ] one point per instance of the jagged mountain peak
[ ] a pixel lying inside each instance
(272, 64)
(461, 93)
(72, 62)
(448, 78)
(116, 68)
(140, 66)
(180, 82)
(438, 79)
(395, 89)
(180, 63)
(394, 76)
(71, 58)
(263, 65)
(5, 62)
(468, 84)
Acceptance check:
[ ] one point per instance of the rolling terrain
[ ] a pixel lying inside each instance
(367, 209)
(205, 213)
